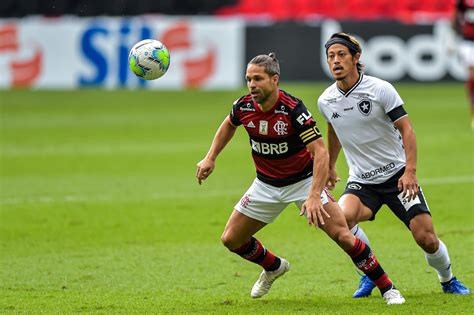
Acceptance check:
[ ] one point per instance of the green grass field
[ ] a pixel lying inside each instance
(101, 213)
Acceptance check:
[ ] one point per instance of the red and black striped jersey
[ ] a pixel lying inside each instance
(465, 9)
(278, 138)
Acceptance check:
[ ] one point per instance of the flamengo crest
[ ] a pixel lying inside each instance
(365, 107)
(280, 128)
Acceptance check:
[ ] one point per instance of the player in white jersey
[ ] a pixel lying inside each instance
(367, 120)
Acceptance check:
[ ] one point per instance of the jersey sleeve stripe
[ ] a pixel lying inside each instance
(310, 139)
(310, 135)
(304, 133)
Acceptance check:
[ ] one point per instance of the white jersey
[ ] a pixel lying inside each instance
(372, 144)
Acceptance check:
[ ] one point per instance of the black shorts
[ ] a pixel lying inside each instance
(376, 195)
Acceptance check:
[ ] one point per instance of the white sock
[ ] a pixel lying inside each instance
(360, 234)
(440, 261)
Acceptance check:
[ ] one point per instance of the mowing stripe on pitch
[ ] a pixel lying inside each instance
(187, 195)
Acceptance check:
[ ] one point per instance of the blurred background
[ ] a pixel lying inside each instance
(71, 44)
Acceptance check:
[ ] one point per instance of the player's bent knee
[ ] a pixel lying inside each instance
(343, 238)
(230, 241)
(226, 240)
(428, 242)
(352, 218)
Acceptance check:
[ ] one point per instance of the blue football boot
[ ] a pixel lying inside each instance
(454, 286)
(365, 287)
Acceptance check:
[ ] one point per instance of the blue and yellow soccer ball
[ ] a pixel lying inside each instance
(149, 59)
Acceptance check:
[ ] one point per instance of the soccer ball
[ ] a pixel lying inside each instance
(149, 59)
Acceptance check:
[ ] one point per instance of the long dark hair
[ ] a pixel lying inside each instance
(350, 42)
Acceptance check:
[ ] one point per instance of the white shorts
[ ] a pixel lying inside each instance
(467, 52)
(265, 202)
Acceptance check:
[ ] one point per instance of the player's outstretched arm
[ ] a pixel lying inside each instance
(223, 135)
(408, 183)
(334, 147)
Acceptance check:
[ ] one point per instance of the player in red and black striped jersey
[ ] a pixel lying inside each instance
(292, 166)
(464, 19)
(278, 138)
(465, 16)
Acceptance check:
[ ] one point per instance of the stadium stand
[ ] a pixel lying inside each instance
(409, 11)
(403, 10)
(21, 8)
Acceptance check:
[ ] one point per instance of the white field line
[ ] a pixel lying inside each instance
(447, 180)
(196, 194)
(98, 149)
(104, 198)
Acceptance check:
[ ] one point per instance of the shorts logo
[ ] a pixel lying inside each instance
(365, 107)
(407, 204)
(244, 202)
(354, 186)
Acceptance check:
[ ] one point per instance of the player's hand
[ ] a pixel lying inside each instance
(314, 210)
(204, 169)
(332, 179)
(408, 183)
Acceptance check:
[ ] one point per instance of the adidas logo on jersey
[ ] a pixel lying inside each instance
(251, 125)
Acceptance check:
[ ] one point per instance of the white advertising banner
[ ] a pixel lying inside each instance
(73, 52)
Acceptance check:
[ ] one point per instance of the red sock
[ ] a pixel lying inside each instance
(366, 261)
(254, 251)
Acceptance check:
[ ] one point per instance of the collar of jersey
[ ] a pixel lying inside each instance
(255, 105)
(346, 94)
